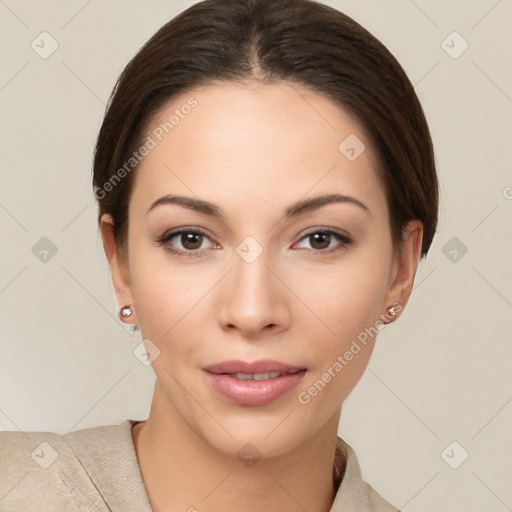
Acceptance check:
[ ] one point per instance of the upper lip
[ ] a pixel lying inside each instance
(261, 366)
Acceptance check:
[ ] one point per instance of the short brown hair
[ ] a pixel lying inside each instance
(300, 41)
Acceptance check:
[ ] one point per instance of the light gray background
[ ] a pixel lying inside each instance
(442, 373)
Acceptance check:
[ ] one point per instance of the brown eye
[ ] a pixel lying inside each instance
(185, 241)
(191, 241)
(321, 241)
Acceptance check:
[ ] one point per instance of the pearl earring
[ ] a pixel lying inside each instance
(126, 311)
(391, 311)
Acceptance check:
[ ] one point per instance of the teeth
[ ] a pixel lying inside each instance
(256, 376)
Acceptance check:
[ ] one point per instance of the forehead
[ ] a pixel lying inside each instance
(256, 144)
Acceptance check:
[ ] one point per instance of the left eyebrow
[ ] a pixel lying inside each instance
(317, 202)
(291, 211)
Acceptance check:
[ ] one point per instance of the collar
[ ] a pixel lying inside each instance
(108, 455)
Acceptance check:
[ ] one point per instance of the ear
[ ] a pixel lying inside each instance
(405, 264)
(119, 267)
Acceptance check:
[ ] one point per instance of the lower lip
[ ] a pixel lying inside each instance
(254, 392)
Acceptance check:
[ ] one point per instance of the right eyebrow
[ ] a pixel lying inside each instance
(189, 202)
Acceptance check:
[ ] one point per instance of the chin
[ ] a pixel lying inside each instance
(266, 433)
(251, 445)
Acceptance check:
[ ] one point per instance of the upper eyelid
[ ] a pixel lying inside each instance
(336, 231)
(343, 238)
(178, 231)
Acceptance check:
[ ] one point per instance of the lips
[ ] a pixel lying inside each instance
(253, 384)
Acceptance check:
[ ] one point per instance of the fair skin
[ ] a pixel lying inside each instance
(253, 151)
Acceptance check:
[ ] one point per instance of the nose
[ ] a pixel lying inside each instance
(254, 300)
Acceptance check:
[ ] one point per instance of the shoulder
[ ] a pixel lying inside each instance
(42, 471)
(376, 501)
(354, 493)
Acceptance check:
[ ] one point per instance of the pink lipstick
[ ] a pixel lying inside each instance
(253, 383)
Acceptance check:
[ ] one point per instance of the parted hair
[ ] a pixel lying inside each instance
(300, 41)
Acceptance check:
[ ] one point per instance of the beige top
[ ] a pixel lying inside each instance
(96, 470)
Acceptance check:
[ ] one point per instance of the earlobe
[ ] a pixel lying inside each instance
(119, 267)
(404, 270)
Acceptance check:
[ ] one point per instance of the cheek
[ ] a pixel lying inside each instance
(167, 296)
(348, 296)
(348, 300)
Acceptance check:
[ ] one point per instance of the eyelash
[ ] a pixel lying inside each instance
(166, 237)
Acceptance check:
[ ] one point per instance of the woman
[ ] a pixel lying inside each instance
(266, 187)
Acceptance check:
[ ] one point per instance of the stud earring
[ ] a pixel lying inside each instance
(126, 311)
(391, 311)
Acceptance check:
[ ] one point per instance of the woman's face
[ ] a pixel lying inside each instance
(272, 275)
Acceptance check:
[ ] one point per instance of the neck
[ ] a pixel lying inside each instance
(182, 472)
